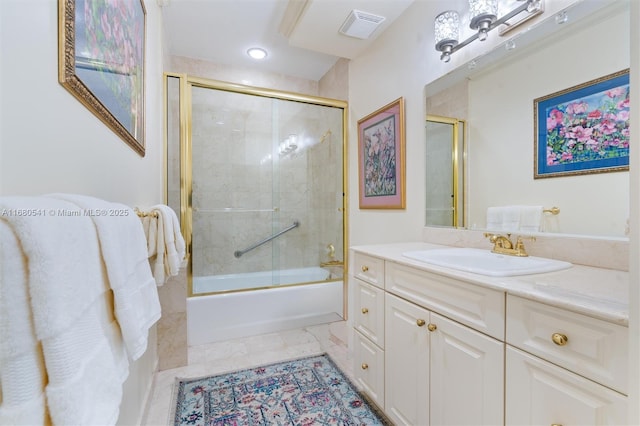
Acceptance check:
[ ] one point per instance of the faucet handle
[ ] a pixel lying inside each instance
(519, 241)
(492, 237)
(496, 237)
(520, 245)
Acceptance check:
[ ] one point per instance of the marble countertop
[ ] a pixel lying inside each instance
(596, 292)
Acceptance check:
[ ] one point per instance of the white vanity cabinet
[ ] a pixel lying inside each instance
(563, 368)
(434, 349)
(426, 345)
(367, 313)
(435, 363)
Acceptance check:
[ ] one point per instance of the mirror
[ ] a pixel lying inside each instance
(445, 154)
(495, 95)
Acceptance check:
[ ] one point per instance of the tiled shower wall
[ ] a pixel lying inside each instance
(244, 190)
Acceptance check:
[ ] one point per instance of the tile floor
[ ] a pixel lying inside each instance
(230, 355)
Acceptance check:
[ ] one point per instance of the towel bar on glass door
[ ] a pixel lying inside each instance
(239, 253)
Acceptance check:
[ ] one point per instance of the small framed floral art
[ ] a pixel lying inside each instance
(381, 146)
(583, 129)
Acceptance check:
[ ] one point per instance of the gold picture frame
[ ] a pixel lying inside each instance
(101, 56)
(583, 129)
(381, 158)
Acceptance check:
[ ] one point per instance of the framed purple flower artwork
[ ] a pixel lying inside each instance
(101, 62)
(381, 147)
(583, 129)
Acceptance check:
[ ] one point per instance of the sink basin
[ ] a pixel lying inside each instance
(485, 262)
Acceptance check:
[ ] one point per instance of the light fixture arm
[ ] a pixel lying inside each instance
(531, 6)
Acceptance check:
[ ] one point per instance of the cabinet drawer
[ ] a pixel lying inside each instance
(369, 269)
(477, 307)
(540, 393)
(369, 311)
(594, 348)
(368, 368)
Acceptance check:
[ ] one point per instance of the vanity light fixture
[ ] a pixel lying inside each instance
(483, 17)
(257, 53)
(483, 13)
(447, 29)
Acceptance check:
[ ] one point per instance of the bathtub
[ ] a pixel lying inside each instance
(234, 314)
(251, 280)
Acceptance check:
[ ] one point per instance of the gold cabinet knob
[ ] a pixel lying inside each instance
(420, 322)
(559, 339)
(432, 327)
(364, 268)
(365, 310)
(364, 366)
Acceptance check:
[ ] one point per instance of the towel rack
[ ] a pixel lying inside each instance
(145, 214)
(552, 210)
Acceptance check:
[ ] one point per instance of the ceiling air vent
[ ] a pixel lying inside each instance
(361, 24)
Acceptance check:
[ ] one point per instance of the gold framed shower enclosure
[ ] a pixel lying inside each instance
(189, 88)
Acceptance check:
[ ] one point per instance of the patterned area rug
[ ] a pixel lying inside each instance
(308, 391)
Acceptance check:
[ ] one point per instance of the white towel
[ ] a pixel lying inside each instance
(515, 218)
(167, 255)
(531, 218)
(124, 250)
(495, 219)
(71, 307)
(22, 370)
(511, 218)
(503, 218)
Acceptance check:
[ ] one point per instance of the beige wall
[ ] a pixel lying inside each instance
(634, 258)
(395, 66)
(49, 141)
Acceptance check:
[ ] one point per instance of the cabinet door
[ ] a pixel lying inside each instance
(406, 362)
(368, 315)
(467, 375)
(368, 368)
(540, 393)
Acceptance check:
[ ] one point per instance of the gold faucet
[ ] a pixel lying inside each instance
(502, 244)
(332, 260)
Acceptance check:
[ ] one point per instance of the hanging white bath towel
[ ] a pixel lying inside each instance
(531, 218)
(124, 249)
(72, 311)
(22, 366)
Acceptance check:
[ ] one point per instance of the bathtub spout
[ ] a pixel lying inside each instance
(332, 263)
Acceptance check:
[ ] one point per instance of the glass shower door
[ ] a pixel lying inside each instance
(267, 191)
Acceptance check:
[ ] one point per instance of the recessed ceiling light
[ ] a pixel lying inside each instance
(257, 53)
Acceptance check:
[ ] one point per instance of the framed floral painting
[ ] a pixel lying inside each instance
(101, 62)
(381, 147)
(583, 129)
